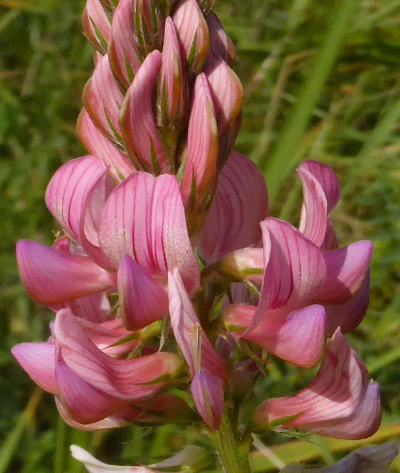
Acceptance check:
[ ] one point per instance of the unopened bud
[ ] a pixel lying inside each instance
(96, 25)
(200, 166)
(246, 263)
(103, 99)
(193, 33)
(172, 94)
(208, 395)
(125, 58)
(141, 136)
(220, 41)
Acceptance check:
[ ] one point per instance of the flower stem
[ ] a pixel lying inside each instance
(231, 454)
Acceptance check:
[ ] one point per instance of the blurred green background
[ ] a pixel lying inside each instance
(322, 81)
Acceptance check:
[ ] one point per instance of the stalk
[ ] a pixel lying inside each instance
(231, 455)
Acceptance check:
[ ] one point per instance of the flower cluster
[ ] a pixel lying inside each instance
(170, 272)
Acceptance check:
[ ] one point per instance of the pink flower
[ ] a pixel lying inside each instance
(297, 274)
(341, 401)
(90, 385)
(130, 235)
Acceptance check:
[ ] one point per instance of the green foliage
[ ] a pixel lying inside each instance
(344, 111)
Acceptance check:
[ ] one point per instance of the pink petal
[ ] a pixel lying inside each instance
(97, 144)
(125, 58)
(191, 338)
(346, 270)
(298, 337)
(138, 124)
(240, 204)
(68, 191)
(330, 242)
(202, 150)
(326, 178)
(134, 379)
(144, 218)
(96, 25)
(39, 362)
(85, 403)
(108, 336)
(226, 91)
(208, 395)
(102, 100)
(95, 466)
(115, 421)
(245, 264)
(349, 315)
(94, 308)
(193, 33)
(340, 402)
(142, 301)
(220, 42)
(294, 267)
(314, 214)
(52, 276)
(173, 89)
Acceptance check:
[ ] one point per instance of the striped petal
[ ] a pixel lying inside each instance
(298, 337)
(96, 25)
(190, 336)
(193, 33)
(295, 269)
(135, 379)
(53, 276)
(173, 89)
(103, 99)
(144, 218)
(314, 214)
(327, 180)
(125, 58)
(120, 166)
(200, 166)
(85, 403)
(138, 124)
(240, 204)
(68, 192)
(115, 421)
(142, 301)
(340, 402)
(346, 270)
(226, 90)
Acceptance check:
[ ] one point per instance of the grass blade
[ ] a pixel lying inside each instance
(282, 159)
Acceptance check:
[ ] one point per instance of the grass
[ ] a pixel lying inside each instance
(322, 81)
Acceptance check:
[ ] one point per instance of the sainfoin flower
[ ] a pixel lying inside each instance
(165, 229)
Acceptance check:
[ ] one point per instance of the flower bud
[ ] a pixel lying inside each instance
(193, 33)
(247, 263)
(125, 58)
(172, 93)
(96, 25)
(200, 166)
(103, 99)
(208, 395)
(141, 136)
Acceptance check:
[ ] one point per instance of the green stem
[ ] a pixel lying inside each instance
(232, 457)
